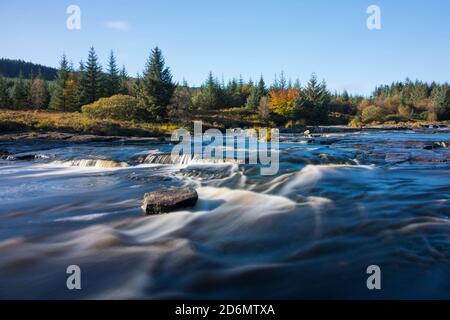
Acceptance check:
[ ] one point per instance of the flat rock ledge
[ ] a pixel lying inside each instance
(169, 200)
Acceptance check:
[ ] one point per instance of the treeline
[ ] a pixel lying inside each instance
(408, 100)
(13, 68)
(71, 89)
(154, 96)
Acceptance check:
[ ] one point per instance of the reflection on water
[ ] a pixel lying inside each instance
(340, 203)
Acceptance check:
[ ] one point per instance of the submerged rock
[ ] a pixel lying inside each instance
(4, 154)
(168, 200)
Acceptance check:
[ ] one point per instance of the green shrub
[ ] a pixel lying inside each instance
(372, 114)
(118, 107)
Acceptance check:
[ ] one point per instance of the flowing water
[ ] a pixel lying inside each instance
(340, 203)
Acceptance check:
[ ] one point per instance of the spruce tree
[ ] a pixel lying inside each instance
(94, 78)
(123, 82)
(137, 87)
(5, 100)
(40, 96)
(21, 93)
(157, 86)
(58, 100)
(80, 91)
(262, 86)
(70, 92)
(256, 94)
(113, 78)
(313, 101)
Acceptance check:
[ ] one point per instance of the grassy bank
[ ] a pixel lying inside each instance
(79, 123)
(20, 121)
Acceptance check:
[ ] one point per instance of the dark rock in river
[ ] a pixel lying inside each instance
(27, 157)
(168, 200)
(437, 145)
(4, 154)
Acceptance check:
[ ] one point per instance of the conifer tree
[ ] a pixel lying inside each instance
(157, 86)
(313, 101)
(123, 82)
(94, 77)
(70, 93)
(58, 100)
(80, 91)
(137, 86)
(113, 77)
(256, 94)
(21, 93)
(5, 100)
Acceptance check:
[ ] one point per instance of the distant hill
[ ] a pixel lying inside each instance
(11, 69)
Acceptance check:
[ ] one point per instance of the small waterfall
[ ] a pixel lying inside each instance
(166, 158)
(183, 159)
(93, 163)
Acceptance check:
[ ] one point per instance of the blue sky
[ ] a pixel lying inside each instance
(328, 37)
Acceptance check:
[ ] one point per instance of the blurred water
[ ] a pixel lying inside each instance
(340, 203)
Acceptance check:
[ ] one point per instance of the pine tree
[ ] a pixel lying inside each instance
(345, 96)
(21, 93)
(113, 79)
(136, 88)
(157, 86)
(58, 100)
(5, 100)
(262, 87)
(40, 96)
(94, 78)
(123, 82)
(253, 99)
(70, 93)
(256, 94)
(283, 82)
(80, 91)
(313, 101)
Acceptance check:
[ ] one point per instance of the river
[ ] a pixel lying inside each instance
(339, 203)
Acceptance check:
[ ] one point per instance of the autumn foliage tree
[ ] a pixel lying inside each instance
(40, 96)
(282, 101)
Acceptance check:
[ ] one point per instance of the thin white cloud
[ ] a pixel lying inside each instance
(118, 25)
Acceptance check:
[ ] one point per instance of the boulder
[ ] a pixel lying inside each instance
(169, 200)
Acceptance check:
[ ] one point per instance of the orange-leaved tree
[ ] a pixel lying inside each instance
(282, 101)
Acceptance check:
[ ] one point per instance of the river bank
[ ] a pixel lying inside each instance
(76, 127)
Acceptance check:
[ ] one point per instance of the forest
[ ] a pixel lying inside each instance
(154, 97)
